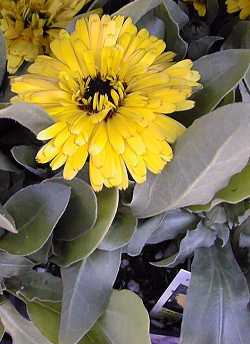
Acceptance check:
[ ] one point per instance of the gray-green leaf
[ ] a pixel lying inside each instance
(21, 330)
(87, 287)
(36, 210)
(203, 162)
(82, 247)
(219, 295)
(29, 116)
(124, 321)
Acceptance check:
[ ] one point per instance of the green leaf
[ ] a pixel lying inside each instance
(137, 9)
(142, 234)
(121, 230)
(220, 73)
(219, 295)
(244, 230)
(203, 236)
(236, 191)
(29, 116)
(82, 247)
(2, 330)
(174, 19)
(2, 57)
(165, 226)
(87, 287)
(11, 265)
(81, 213)
(175, 222)
(46, 317)
(21, 330)
(36, 210)
(6, 164)
(154, 25)
(97, 4)
(201, 46)
(6, 221)
(203, 162)
(26, 156)
(42, 255)
(124, 321)
(41, 286)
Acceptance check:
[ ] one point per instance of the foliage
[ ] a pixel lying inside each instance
(61, 242)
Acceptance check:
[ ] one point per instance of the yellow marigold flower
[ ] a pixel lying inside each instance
(239, 5)
(200, 6)
(30, 25)
(108, 87)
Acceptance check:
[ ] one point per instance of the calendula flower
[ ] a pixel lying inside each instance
(30, 25)
(239, 5)
(108, 87)
(200, 6)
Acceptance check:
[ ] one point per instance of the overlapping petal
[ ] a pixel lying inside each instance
(109, 88)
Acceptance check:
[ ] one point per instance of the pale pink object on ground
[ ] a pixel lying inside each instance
(155, 339)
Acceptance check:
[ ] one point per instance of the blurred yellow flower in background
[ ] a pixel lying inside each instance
(30, 25)
(108, 87)
(239, 5)
(200, 6)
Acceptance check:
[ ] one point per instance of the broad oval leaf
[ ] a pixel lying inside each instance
(36, 210)
(121, 230)
(81, 213)
(29, 116)
(82, 247)
(203, 162)
(219, 294)
(26, 156)
(124, 321)
(21, 330)
(220, 74)
(87, 287)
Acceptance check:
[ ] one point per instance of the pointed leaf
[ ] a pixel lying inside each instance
(219, 295)
(200, 237)
(6, 221)
(2, 57)
(36, 210)
(203, 162)
(29, 116)
(87, 289)
(21, 330)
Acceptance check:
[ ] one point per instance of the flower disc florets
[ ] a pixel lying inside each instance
(108, 88)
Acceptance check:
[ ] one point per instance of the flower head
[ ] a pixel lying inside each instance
(200, 6)
(108, 87)
(239, 5)
(30, 25)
